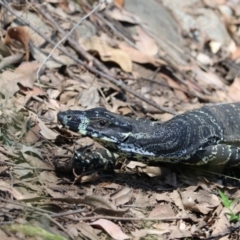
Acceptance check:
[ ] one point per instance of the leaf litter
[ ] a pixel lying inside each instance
(180, 64)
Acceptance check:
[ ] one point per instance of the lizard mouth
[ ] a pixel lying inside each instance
(61, 119)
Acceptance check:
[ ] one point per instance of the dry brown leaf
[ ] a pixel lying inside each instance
(124, 110)
(178, 93)
(50, 191)
(25, 75)
(117, 104)
(65, 97)
(53, 93)
(28, 72)
(134, 164)
(215, 46)
(162, 117)
(210, 3)
(160, 197)
(137, 212)
(54, 104)
(8, 84)
(120, 192)
(119, 2)
(86, 230)
(20, 34)
(89, 97)
(31, 149)
(121, 14)
(64, 5)
(236, 53)
(140, 57)
(91, 178)
(99, 202)
(29, 185)
(142, 233)
(111, 228)
(34, 161)
(23, 170)
(201, 201)
(162, 210)
(208, 79)
(4, 51)
(234, 90)
(142, 199)
(122, 196)
(145, 43)
(6, 187)
(93, 201)
(108, 53)
(3, 159)
(204, 59)
(176, 198)
(112, 186)
(153, 171)
(46, 132)
(48, 177)
(57, 59)
(35, 91)
(221, 223)
(179, 234)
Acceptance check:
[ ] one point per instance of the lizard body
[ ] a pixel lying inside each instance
(208, 134)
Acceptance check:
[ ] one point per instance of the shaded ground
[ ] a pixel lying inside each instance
(139, 58)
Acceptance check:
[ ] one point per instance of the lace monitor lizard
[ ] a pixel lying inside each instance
(209, 134)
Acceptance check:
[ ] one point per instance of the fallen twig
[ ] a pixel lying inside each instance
(131, 219)
(16, 58)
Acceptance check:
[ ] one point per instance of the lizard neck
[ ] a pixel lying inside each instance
(151, 140)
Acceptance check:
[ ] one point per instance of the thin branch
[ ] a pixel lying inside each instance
(115, 218)
(16, 58)
(27, 206)
(131, 219)
(62, 214)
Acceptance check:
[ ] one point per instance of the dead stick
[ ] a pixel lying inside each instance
(16, 58)
(131, 219)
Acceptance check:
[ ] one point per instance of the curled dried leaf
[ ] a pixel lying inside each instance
(20, 34)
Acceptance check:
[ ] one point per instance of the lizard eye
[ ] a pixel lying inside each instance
(69, 117)
(102, 123)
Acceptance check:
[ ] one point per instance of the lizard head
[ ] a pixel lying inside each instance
(97, 123)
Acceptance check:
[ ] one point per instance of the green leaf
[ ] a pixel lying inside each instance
(233, 217)
(225, 200)
(32, 231)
